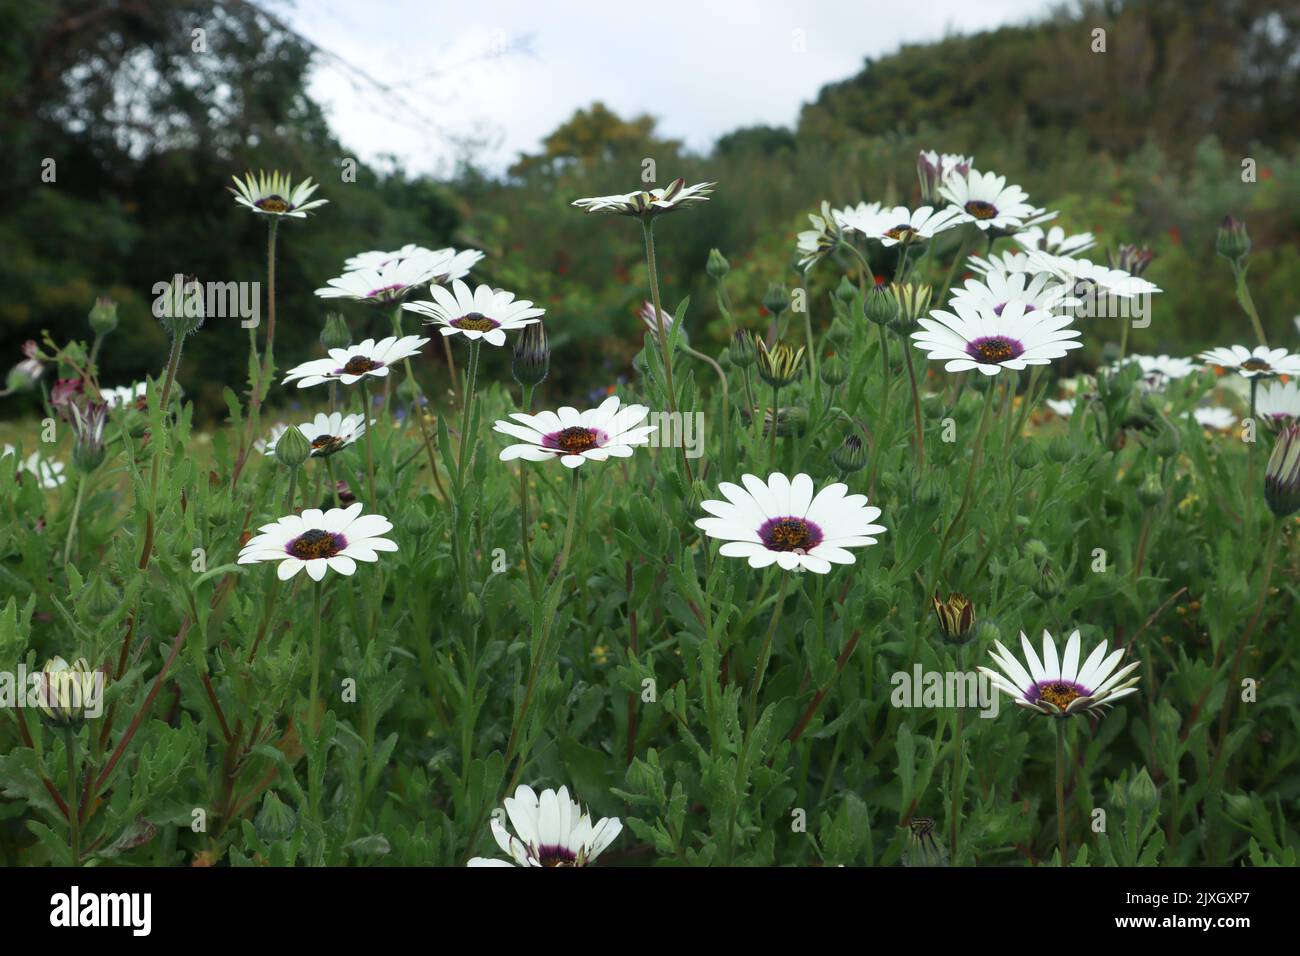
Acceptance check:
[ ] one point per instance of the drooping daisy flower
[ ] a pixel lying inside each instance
(353, 363)
(48, 472)
(447, 264)
(818, 242)
(1085, 275)
(1215, 417)
(781, 521)
(275, 195)
(327, 434)
(901, 225)
(390, 283)
(483, 313)
(125, 396)
(1279, 402)
(318, 540)
(1055, 240)
(1041, 292)
(1061, 687)
(992, 341)
(649, 202)
(551, 829)
(986, 200)
(1260, 361)
(575, 437)
(1158, 370)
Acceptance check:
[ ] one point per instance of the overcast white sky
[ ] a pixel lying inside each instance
(507, 72)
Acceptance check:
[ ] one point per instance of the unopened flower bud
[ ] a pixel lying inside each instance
(717, 266)
(776, 299)
(180, 307)
(1149, 492)
(881, 307)
(532, 355)
(833, 371)
(851, 455)
(743, 352)
(68, 691)
(292, 448)
(335, 334)
(1282, 474)
(103, 316)
(956, 616)
(1232, 242)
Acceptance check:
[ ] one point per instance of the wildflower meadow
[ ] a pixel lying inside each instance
(931, 549)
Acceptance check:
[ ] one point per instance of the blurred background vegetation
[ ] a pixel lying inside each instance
(1143, 143)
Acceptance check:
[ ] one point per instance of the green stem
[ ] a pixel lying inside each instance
(916, 408)
(315, 654)
(976, 455)
(648, 232)
(765, 655)
(1060, 789)
(1248, 303)
(771, 429)
(74, 807)
(370, 443)
(82, 481)
(958, 767)
(467, 443)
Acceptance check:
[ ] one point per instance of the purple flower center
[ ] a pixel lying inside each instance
(997, 309)
(556, 856)
(316, 544)
(475, 322)
(574, 440)
(1059, 693)
(994, 349)
(790, 534)
(387, 292)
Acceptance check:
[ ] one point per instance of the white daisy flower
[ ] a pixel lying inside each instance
(327, 434)
(48, 472)
(124, 396)
(1062, 407)
(818, 242)
(1084, 274)
(652, 202)
(275, 195)
(892, 226)
(447, 264)
(992, 341)
(1215, 417)
(1279, 402)
(551, 829)
(1061, 687)
(319, 540)
(575, 437)
(1003, 263)
(1260, 361)
(781, 521)
(390, 283)
(1055, 240)
(1039, 293)
(353, 363)
(986, 200)
(1158, 370)
(932, 169)
(862, 211)
(484, 313)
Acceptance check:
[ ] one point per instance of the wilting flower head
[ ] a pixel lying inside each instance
(577, 437)
(352, 364)
(1055, 240)
(986, 200)
(532, 359)
(649, 203)
(1282, 474)
(275, 195)
(318, 540)
(88, 432)
(933, 168)
(647, 316)
(484, 313)
(780, 365)
(26, 373)
(1058, 687)
(818, 242)
(991, 341)
(551, 829)
(956, 616)
(1260, 361)
(901, 225)
(69, 692)
(780, 521)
